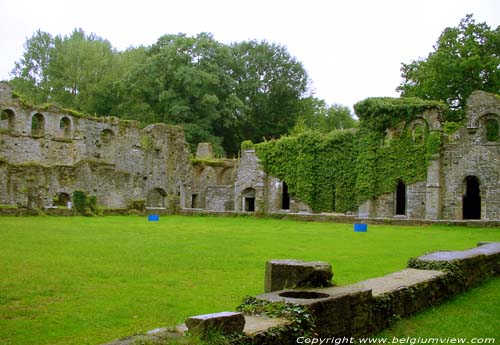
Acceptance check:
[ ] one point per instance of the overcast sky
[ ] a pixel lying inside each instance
(352, 49)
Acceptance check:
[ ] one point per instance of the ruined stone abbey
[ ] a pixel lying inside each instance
(48, 153)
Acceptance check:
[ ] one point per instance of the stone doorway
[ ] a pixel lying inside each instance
(400, 199)
(194, 200)
(156, 198)
(285, 198)
(62, 199)
(471, 207)
(249, 200)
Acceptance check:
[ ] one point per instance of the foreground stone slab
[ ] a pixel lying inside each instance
(470, 266)
(283, 274)
(255, 325)
(223, 322)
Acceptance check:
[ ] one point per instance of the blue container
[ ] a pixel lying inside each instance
(153, 217)
(360, 227)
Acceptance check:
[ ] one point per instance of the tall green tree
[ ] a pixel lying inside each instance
(30, 74)
(318, 116)
(271, 84)
(77, 66)
(184, 81)
(465, 58)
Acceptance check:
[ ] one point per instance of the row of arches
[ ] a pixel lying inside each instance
(37, 124)
(154, 199)
(471, 200)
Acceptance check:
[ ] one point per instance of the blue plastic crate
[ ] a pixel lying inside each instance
(153, 217)
(360, 227)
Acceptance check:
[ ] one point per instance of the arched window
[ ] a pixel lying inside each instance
(418, 135)
(38, 125)
(491, 129)
(65, 127)
(107, 136)
(62, 199)
(7, 119)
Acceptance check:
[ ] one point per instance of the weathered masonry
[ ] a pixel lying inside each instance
(48, 153)
(462, 178)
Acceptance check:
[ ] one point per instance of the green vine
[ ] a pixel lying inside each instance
(340, 170)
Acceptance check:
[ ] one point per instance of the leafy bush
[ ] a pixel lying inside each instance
(79, 200)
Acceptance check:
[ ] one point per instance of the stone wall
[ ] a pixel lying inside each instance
(45, 152)
(466, 154)
(469, 153)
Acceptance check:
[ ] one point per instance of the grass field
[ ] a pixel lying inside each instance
(90, 280)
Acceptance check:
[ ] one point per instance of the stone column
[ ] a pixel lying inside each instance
(433, 189)
(366, 209)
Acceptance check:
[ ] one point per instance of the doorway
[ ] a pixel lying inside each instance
(285, 198)
(471, 208)
(400, 198)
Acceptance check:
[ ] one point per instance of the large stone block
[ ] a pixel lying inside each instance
(282, 274)
(224, 322)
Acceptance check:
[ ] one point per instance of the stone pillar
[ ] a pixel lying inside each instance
(433, 189)
(366, 209)
(204, 151)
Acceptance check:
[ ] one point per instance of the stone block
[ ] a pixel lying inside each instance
(224, 322)
(283, 274)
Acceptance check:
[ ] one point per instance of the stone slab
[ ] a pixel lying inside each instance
(398, 280)
(484, 249)
(224, 322)
(290, 273)
(260, 324)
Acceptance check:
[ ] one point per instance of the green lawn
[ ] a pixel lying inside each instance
(90, 280)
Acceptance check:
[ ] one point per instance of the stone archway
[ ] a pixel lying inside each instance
(471, 206)
(156, 198)
(248, 199)
(61, 199)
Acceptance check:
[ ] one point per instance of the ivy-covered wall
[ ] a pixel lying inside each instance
(340, 170)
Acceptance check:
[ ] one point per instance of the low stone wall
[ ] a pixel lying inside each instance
(367, 307)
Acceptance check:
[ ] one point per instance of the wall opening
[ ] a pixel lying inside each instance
(107, 136)
(62, 199)
(491, 130)
(156, 198)
(65, 127)
(194, 200)
(249, 200)
(7, 119)
(471, 208)
(400, 198)
(38, 125)
(285, 197)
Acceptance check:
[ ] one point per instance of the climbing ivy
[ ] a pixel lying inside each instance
(342, 169)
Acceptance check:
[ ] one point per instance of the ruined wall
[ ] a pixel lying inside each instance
(56, 151)
(252, 182)
(470, 153)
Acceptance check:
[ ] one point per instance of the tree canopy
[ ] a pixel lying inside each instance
(465, 58)
(219, 93)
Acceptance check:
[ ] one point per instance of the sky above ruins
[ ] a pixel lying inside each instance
(352, 49)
